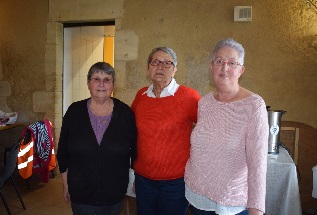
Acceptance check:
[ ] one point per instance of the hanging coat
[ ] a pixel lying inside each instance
(37, 151)
(25, 154)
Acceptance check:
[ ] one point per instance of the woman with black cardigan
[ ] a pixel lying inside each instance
(96, 146)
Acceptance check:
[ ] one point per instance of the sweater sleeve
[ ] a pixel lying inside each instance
(62, 151)
(256, 151)
(190, 101)
(133, 141)
(136, 99)
(195, 98)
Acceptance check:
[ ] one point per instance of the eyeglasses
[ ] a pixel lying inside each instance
(231, 63)
(165, 63)
(99, 80)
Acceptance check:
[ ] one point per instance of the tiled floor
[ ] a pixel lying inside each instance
(40, 199)
(43, 198)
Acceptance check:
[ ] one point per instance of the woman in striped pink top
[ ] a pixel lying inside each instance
(226, 171)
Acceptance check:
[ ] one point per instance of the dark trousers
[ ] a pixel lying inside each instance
(196, 211)
(160, 197)
(80, 209)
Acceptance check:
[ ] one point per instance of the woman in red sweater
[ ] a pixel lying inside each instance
(165, 113)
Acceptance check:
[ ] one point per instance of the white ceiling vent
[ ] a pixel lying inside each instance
(242, 13)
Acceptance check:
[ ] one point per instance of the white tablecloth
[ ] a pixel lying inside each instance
(282, 192)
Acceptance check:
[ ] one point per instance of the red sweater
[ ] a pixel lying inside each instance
(164, 128)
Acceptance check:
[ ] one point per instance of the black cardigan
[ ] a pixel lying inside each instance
(97, 174)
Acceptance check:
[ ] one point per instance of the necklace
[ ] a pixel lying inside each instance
(102, 117)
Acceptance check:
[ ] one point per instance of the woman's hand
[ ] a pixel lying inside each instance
(66, 194)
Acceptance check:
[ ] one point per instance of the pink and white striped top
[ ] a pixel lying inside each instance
(228, 156)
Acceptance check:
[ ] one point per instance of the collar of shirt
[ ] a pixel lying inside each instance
(169, 90)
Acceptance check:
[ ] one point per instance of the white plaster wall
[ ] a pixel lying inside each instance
(83, 46)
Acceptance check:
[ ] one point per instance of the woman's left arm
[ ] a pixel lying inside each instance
(133, 144)
(256, 156)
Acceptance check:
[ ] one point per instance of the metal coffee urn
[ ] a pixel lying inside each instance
(274, 117)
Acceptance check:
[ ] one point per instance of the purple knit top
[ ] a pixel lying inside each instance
(98, 123)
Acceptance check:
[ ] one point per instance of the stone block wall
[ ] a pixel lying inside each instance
(280, 43)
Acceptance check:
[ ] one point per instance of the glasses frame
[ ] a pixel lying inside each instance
(98, 80)
(223, 61)
(162, 62)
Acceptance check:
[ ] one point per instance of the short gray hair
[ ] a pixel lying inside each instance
(231, 43)
(167, 51)
(101, 67)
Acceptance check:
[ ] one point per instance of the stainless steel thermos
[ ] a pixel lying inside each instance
(274, 117)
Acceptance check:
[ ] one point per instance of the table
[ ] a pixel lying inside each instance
(11, 126)
(282, 192)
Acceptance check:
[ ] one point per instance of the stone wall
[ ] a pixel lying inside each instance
(280, 44)
(22, 51)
